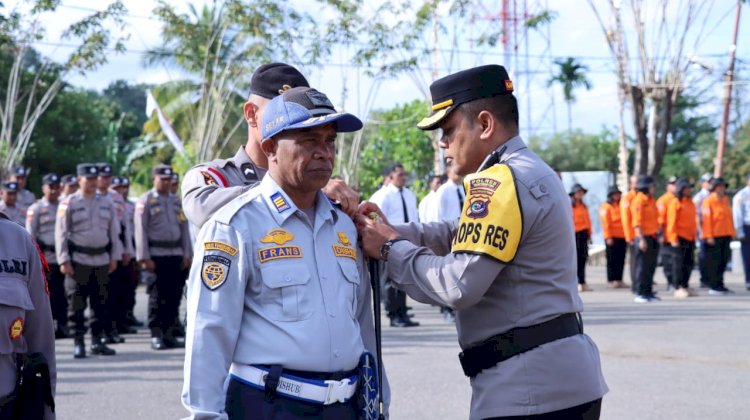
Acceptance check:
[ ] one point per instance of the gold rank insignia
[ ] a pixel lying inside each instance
(345, 249)
(181, 216)
(220, 246)
(214, 271)
(491, 221)
(344, 239)
(16, 329)
(279, 202)
(277, 236)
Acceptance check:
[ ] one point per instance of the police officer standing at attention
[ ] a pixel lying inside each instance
(645, 221)
(208, 186)
(25, 316)
(40, 223)
(25, 197)
(127, 322)
(279, 300)
(69, 185)
(163, 247)
(511, 273)
(9, 204)
(88, 248)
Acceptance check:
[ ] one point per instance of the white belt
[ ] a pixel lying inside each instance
(312, 390)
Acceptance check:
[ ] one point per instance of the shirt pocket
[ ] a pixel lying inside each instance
(105, 215)
(79, 217)
(351, 286)
(14, 302)
(286, 294)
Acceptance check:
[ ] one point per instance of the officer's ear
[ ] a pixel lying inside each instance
(268, 146)
(251, 113)
(488, 124)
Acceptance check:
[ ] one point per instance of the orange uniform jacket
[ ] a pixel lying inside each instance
(645, 215)
(625, 211)
(661, 206)
(717, 217)
(680, 220)
(611, 221)
(581, 220)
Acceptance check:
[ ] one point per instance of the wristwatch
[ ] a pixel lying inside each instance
(386, 248)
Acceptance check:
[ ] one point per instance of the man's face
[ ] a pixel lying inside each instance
(687, 192)
(9, 197)
(173, 186)
(304, 158)
(70, 189)
(579, 195)
(51, 191)
(104, 181)
(398, 177)
(88, 184)
(671, 188)
(720, 189)
(616, 197)
(163, 184)
(459, 141)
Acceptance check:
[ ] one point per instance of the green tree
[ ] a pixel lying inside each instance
(570, 75)
(578, 151)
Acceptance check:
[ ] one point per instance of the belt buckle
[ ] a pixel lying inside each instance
(337, 391)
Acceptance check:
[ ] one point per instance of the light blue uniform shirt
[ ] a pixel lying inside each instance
(741, 211)
(267, 287)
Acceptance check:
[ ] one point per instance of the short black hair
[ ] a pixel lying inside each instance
(391, 169)
(503, 107)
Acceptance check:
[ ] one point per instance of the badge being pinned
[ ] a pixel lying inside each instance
(16, 329)
(279, 202)
(345, 248)
(214, 271)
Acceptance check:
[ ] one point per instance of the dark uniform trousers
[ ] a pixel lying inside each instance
(92, 284)
(717, 257)
(702, 250)
(587, 411)
(164, 295)
(582, 254)
(616, 259)
(245, 402)
(682, 262)
(394, 300)
(745, 249)
(57, 297)
(645, 265)
(118, 290)
(632, 251)
(666, 254)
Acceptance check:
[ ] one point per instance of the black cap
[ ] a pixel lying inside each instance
(175, 178)
(715, 182)
(577, 187)
(683, 183)
(465, 86)
(68, 179)
(20, 171)
(271, 80)
(162, 170)
(125, 181)
(10, 186)
(613, 190)
(644, 181)
(116, 181)
(672, 180)
(88, 170)
(50, 179)
(105, 169)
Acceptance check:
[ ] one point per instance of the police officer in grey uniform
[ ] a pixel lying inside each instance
(40, 223)
(278, 297)
(25, 197)
(208, 186)
(163, 247)
(510, 273)
(127, 322)
(25, 316)
(69, 185)
(88, 248)
(10, 205)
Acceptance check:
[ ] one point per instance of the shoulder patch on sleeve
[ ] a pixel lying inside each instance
(214, 271)
(491, 221)
(220, 246)
(213, 177)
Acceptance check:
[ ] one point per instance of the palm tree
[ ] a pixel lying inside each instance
(571, 75)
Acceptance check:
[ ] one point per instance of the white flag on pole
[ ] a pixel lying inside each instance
(166, 127)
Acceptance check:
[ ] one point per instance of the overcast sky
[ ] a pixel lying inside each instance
(574, 32)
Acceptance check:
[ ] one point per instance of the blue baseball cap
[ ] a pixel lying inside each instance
(304, 107)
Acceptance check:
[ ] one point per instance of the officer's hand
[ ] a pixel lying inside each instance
(676, 244)
(711, 241)
(338, 191)
(112, 266)
(610, 241)
(186, 262)
(374, 234)
(125, 259)
(643, 245)
(67, 269)
(148, 265)
(372, 211)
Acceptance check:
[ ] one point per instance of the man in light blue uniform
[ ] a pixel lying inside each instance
(279, 302)
(741, 213)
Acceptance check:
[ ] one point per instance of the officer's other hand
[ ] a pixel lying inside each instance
(675, 244)
(643, 245)
(112, 266)
(148, 265)
(338, 191)
(186, 262)
(711, 241)
(610, 242)
(374, 234)
(67, 269)
(125, 259)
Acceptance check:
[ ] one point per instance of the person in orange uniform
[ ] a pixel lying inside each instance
(646, 228)
(680, 229)
(582, 227)
(627, 226)
(717, 231)
(614, 237)
(665, 251)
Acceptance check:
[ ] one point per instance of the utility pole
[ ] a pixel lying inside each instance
(722, 143)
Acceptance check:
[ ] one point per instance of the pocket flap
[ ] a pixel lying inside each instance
(15, 292)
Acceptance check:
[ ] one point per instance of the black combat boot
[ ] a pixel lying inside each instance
(79, 348)
(99, 346)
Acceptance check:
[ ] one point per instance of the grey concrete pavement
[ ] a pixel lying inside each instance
(676, 359)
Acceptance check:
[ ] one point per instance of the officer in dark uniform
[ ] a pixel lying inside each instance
(40, 222)
(509, 266)
(163, 247)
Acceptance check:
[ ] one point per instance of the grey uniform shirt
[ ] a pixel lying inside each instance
(287, 292)
(87, 222)
(208, 186)
(25, 314)
(159, 218)
(40, 223)
(25, 199)
(126, 228)
(492, 297)
(16, 213)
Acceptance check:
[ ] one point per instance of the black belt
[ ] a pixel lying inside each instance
(73, 247)
(503, 346)
(45, 247)
(165, 244)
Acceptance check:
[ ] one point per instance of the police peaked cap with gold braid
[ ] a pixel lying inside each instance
(465, 86)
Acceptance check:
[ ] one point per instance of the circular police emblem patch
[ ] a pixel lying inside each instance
(214, 271)
(16, 329)
(478, 206)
